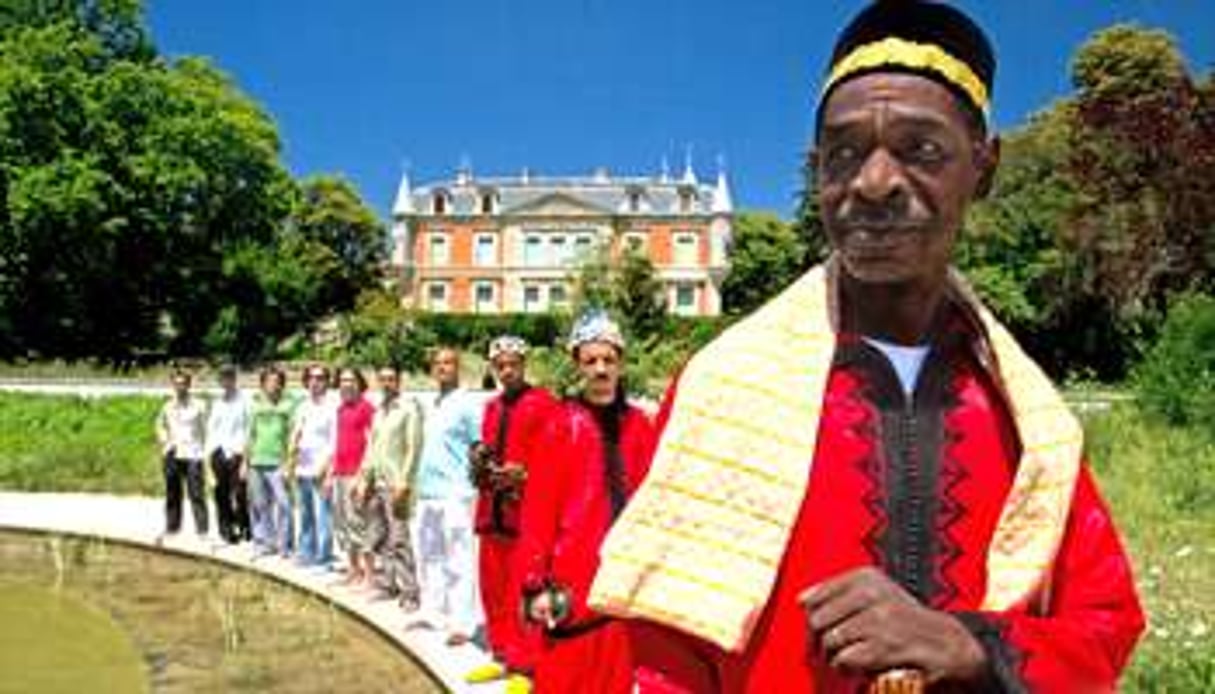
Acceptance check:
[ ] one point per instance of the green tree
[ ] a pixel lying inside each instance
(124, 184)
(766, 255)
(1010, 247)
(638, 295)
(379, 332)
(116, 24)
(807, 220)
(1142, 155)
(144, 205)
(627, 285)
(350, 241)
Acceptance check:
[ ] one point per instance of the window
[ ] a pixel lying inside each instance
(687, 196)
(634, 201)
(685, 299)
(436, 296)
(531, 299)
(686, 249)
(583, 245)
(533, 250)
(556, 295)
(489, 203)
(439, 202)
(439, 249)
(486, 252)
(559, 253)
(483, 297)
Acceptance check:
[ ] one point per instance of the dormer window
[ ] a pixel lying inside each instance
(634, 200)
(439, 202)
(489, 202)
(687, 197)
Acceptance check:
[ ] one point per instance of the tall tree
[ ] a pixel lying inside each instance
(116, 24)
(1010, 248)
(766, 255)
(351, 242)
(1143, 158)
(124, 183)
(144, 204)
(807, 221)
(626, 284)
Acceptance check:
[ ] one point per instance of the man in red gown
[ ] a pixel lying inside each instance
(595, 454)
(512, 437)
(897, 491)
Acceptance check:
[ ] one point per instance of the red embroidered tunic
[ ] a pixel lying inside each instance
(523, 440)
(568, 513)
(497, 521)
(915, 486)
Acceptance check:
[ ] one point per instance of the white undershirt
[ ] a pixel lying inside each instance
(907, 361)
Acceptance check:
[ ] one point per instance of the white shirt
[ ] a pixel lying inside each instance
(907, 361)
(180, 428)
(228, 424)
(316, 432)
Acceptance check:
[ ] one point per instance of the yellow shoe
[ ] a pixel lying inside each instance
(518, 684)
(485, 673)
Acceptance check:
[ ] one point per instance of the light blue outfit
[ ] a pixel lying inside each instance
(442, 525)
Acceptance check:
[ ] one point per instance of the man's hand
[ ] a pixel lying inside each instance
(540, 609)
(866, 623)
(513, 473)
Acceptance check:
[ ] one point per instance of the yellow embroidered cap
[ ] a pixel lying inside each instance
(931, 39)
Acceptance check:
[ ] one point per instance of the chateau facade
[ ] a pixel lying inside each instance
(511, 243)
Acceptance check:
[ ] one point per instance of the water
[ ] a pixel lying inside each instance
(170, 624)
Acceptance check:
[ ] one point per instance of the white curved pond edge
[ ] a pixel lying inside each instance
(139, 520)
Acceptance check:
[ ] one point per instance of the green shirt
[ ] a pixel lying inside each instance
(394, 442)
(271, 427)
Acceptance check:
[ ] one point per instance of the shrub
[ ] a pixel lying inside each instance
(474, 332)
(1176, 378)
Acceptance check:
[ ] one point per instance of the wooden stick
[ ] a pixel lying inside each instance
(901, 681)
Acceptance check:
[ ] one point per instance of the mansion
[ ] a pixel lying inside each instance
(512, 244)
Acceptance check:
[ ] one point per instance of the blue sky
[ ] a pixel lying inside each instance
(565, 86)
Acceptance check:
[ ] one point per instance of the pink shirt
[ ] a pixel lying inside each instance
(353, 424)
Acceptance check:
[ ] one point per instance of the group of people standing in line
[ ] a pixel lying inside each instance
(423, 502)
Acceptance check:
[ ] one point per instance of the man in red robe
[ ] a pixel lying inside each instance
(923, 515)
(512, 437)
(596, 452)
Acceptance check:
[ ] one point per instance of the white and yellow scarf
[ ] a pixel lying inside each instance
(699, 546)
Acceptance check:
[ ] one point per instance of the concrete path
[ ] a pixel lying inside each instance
(138, 520)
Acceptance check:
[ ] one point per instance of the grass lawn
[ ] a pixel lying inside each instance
(1160, 484)
(67, 443)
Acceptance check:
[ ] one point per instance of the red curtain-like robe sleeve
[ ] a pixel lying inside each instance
(1094, 618)
(541, 515)
(551, 550)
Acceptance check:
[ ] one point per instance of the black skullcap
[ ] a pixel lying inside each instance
(925, 38)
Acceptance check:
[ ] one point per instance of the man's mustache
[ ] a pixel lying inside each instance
(878, 218)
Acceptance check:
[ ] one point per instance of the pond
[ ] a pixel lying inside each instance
(82, 614)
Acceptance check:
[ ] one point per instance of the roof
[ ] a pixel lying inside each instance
(623, 195)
